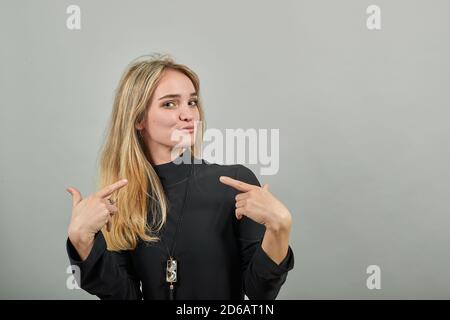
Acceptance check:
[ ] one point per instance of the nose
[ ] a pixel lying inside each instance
(187, 114)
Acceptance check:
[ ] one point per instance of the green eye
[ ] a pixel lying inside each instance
(168, 104)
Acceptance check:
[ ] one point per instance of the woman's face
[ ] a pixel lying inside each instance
(173, 107)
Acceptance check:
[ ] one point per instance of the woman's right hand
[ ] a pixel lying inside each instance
(89, 216)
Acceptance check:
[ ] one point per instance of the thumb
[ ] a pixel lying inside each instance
(266, 186)
(76, 196)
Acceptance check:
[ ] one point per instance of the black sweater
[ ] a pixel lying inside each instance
(219, 257)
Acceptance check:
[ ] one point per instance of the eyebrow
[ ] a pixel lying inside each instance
(193, 94)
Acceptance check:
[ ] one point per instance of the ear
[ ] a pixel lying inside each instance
(139, 126)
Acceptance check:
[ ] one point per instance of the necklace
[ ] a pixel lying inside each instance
(172, 263)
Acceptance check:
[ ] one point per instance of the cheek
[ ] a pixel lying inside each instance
(160, 123)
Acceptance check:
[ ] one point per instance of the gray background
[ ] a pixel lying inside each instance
(363, 118)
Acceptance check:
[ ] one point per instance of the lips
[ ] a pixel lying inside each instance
(189, 129)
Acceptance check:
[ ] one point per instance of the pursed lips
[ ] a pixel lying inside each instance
(187, 128)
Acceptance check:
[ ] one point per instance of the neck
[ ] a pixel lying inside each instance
(160, 154)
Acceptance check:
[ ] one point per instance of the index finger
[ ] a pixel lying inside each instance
(106, 191)
(239, 185)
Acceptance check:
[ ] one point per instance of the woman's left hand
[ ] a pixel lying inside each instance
(260, 205)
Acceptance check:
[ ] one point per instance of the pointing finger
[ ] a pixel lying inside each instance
(239, 185)
(108, 190)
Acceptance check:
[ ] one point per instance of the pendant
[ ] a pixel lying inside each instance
(171, 270)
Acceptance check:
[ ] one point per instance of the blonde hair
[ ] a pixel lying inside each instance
(123, 155)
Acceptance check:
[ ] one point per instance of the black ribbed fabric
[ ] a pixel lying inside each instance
(219, 257)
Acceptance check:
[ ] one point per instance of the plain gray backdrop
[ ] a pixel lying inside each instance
(363, 118)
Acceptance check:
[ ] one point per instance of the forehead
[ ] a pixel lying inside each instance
(174, 82)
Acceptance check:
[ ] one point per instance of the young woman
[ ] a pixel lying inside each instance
(166, 224)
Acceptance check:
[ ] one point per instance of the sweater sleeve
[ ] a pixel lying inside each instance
(262, 277)
(104, 273)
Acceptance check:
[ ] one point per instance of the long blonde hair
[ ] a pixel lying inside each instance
(123, 155)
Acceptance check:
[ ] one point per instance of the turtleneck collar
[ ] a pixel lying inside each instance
(175, 171)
